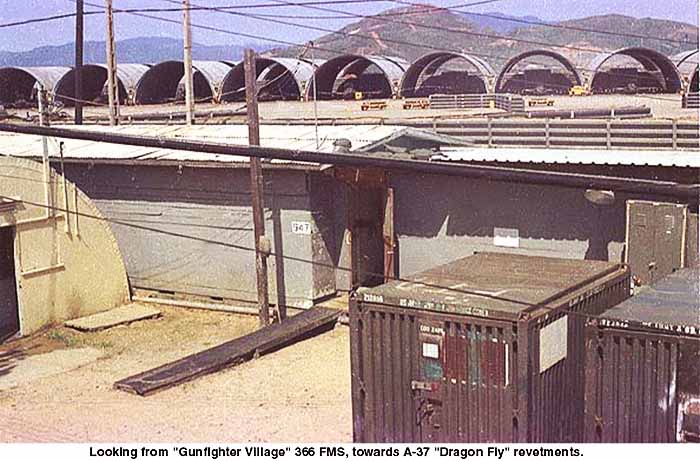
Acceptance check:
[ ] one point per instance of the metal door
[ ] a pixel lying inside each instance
(427, 388)
(9, 312)
(655, 239)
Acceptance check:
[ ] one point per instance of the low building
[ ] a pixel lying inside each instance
(58, 257)
(184, 222)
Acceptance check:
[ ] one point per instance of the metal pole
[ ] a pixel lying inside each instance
(189, 82)
(78, 62)
(111, 67)
(313, 78)
(44, 121)
(256, 187)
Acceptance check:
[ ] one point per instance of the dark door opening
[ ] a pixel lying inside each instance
(9, 309)
(366, 226)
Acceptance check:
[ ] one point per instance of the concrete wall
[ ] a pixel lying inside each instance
(61, 273)
(203, 243)
(440, 219)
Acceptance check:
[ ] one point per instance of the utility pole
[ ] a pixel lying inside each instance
(44, 117)
(78, 62)
(112, 88)
(189, 81)
(313, 79)
(256, 188)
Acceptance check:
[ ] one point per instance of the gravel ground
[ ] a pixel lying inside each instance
(298, 394)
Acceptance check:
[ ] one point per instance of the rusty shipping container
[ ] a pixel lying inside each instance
(643, 366)
(488, 348)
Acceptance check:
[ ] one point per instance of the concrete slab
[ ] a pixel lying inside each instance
(120, 315)
(18, 369)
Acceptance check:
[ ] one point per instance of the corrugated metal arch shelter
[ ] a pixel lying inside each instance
(506, 75)
(161, 82)
(94, 81)
(653, 62)
(17, 84)
(65, 266)
(418, 74)
(687, 64)
(279, 79)
(341, 76)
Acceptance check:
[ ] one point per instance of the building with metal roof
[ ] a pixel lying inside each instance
(430, 75)
(279, 79)
(376, 77)
(161, 82)
(516, 77)
(18, 85)
(95, 81)
(654, 72)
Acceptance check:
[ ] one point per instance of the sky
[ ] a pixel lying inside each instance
(26, 37)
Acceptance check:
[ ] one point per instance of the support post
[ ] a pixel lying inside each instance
(189, 82)
(112, 89)
(44, 121)
(78, 103)
(256, 189)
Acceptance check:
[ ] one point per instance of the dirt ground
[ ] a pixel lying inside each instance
(298, 394)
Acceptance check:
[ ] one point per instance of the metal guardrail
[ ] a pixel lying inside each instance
(507, 102)
(691, 101)
(601, 134)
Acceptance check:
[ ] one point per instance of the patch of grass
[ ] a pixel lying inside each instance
(60, 336)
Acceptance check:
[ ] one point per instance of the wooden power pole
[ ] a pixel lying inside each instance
(78, 103)
(256, 185)
(112, 88)
(189, 79)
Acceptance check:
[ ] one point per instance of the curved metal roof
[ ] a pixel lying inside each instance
(686, 62)
(512, 62)
(161, 81)
(47, 77)
(651, 60)
(301, 70)
(431, 62)
(393, 69)
(214, 72)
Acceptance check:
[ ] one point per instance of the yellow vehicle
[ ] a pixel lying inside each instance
(579, 90)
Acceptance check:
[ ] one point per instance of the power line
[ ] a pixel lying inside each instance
(45, 19)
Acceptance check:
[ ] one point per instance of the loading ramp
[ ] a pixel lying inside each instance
(268, 339)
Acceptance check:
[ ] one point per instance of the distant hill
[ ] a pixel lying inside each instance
(499, 22)
(138, 50)
(446, 30)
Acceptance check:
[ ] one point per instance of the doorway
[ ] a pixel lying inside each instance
(9, 308)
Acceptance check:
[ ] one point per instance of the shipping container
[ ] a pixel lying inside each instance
(488, 348)
(643, 366)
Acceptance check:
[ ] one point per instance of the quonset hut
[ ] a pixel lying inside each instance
(447, 73)
(376, 77)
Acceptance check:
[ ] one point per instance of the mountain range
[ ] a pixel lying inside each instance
(137, 50)
(410, 32)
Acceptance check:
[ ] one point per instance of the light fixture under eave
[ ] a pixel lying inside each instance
(600, 197)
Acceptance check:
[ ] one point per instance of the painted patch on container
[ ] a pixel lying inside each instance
(301, 227)
(504, 237)
(553, 343)
(431, 351)
(432, 370)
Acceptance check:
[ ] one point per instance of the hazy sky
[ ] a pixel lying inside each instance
(128, 26)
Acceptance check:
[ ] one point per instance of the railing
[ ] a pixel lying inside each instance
(691, 101)
(507, 102)
(606, 134)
